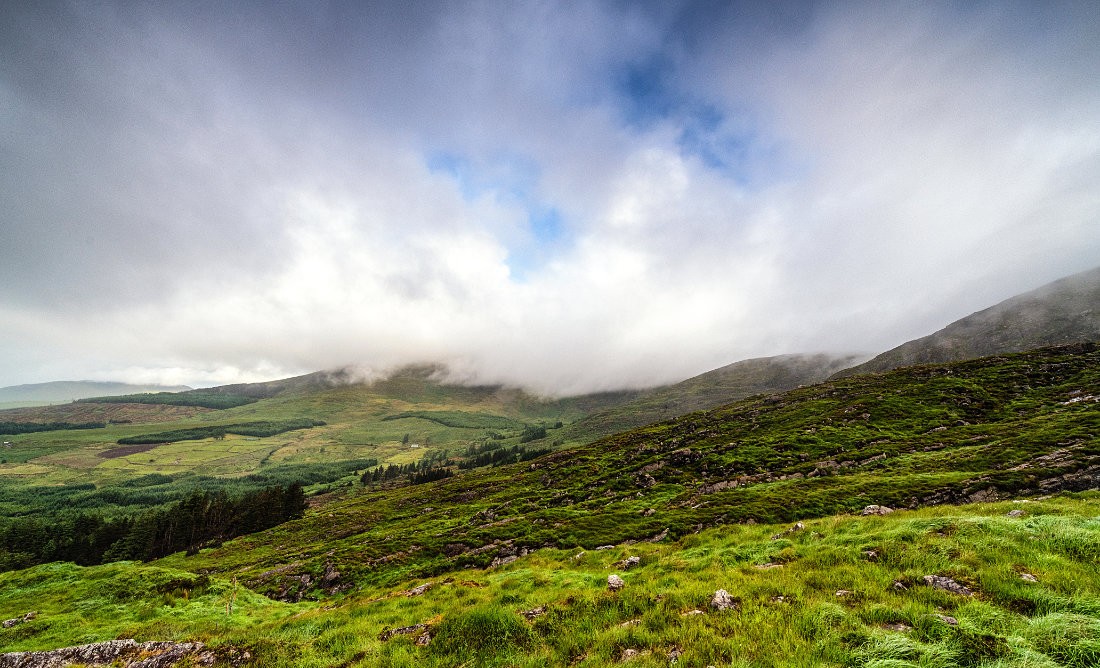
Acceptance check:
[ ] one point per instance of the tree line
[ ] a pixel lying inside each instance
(200, 519)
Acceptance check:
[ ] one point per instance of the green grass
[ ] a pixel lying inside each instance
(474, 614)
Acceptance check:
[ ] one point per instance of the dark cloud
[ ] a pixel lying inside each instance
(570, 195)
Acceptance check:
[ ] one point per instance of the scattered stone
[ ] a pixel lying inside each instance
(798, 526)
(947, 584)
(1015, 513)
(897, 627)
(126, 653)
(692, 613)
(779, 599)
(659, 537)
(841, 593)
(605, 547)
(501, 561)
(648, 512)
(899, 586)
(418, 591)
(629, 654)
(870, 555)
(629, 623)
(402, 630)
(950, 621)
(722, 601)
(534, 613)
(615, 583)
(1028, 577)
(424, 639)
(629, 562)
(875, 509)
(578, 555)
(674, 655)
(768, 566)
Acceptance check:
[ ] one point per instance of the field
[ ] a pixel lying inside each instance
(757, 498)
(840, 591)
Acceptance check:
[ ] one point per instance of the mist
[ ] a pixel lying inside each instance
(567, 198)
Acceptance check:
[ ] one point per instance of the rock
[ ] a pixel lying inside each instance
(947, 584)
(615, 583)
(798, 526)
(628, 654)
(659, 537)
(534, 613)
(875, 509)
(648, 512)
(126, 653)
(605, 547)
(674, 655)
(691, 613)
(899, 586)
(722, 601)
(403, 630)
(950, 621)
(1028, 577)
(897, 627)
(768, 566)
(1015, 513)
(331, 575)
(870, 555)
(629, 562)
(630, 622)
(645, 481)
(418, 591)
(841, 593)
(501, 561)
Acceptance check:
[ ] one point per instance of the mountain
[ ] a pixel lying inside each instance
(63, 391)
(708, 390)
(707, 522)
(1065, 311)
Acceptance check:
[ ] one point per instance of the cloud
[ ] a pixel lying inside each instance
(568, 198)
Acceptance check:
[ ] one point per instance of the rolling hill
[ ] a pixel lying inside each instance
(1065, 311)
(64, 391)
(437, 574)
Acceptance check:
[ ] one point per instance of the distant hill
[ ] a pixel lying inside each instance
(711, 389)
(68, 390)
(1062, 312)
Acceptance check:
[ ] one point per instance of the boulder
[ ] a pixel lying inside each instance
(615, 583)
(875, 509)
(722, 601)
(947, 584)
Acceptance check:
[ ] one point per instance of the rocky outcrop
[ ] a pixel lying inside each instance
(119, 654)
(947, 584)
(615, 583)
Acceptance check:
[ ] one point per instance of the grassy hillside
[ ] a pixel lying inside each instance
(37, 394)
(840, 591)
(714, 388)
(1059, 313)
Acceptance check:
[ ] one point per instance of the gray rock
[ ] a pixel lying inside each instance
(121, 653)
(629, 562)
(947, 584)
(874, 509)
(1015, 513)
(722, 601)
(950, 621)
(615, 583)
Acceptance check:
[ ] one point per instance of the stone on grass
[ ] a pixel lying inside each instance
(722, 601)
(614, 583)
(947, 584)
(875, 509)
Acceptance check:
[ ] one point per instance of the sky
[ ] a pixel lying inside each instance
(566, 196)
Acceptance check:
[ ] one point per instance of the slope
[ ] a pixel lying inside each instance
(1065, 311)
(979, 430)
(64, 391)
(713, 388)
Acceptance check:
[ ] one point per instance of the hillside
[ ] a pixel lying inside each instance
(1065, 311)
(65, 391)
(706, 502)
(713, 388)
